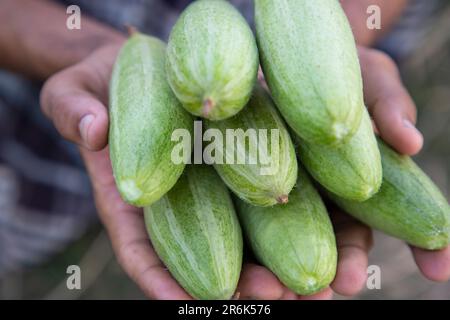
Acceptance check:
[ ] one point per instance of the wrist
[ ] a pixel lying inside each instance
(44, 45)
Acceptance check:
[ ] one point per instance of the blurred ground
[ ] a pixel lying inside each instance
(427, 75)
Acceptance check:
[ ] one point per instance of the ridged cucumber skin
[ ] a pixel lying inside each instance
(409, 206)
(143, 114)
(351, 170)
(212, 60)
(310, 63)
(196, 233)
(246, 180)
(296, 240)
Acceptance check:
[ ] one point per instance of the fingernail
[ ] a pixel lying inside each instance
(408, 124)
(84, 125)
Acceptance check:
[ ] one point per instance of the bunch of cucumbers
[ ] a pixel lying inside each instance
(324, 141)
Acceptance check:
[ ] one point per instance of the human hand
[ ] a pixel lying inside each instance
(75, 100)
(394, 117)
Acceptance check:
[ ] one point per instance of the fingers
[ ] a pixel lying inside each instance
(75, 98)
(126, 228)
(391, 106)
(434, 265)
(326, 294)
(136, 255)
(143, 266)
(354, 241)
(262, 79)
(259, 283)
(76, 113)
(289, 295)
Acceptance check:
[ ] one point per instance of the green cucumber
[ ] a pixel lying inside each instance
(409, 206)
(296, 240)
(249, 181)
(196, 233)
(212, 59)
(351, 170)
(310, 63)
(143, 115)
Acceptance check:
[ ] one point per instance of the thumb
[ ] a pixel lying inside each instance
(77, 114)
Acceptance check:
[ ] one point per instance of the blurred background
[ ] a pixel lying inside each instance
(32, 270)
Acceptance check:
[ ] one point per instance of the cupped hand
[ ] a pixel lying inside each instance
(394, 116)
(75, 99)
